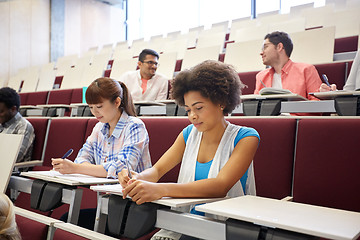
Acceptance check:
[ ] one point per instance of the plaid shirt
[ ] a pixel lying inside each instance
(19, 125)
(128, 142)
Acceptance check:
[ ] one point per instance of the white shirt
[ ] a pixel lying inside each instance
(277, 81)
(157, 86)
(353, 81)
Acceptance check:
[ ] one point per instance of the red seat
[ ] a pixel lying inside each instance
(91, 124)
(326, 165)
(62, 234)
(31, 229)
(334, 71)
(162, 134)
(37, 98)
(249, 79)
(64, 133)
(40, 126)
(273, 161)
(77, 95)
(60, 96)
(23, 98)
(346, 44)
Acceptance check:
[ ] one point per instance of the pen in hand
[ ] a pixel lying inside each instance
(129, 171)
(68, 153)
(326, 80)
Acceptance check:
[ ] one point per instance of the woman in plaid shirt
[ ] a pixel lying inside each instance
(118, 138)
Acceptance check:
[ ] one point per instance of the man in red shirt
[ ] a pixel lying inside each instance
(299, 78)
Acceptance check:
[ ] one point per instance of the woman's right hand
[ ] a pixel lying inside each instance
(124, 178)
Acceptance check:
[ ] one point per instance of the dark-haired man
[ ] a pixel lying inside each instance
(145, 83)
(299, 78)
(11, 122)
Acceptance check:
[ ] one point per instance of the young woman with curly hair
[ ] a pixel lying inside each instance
(215, 155)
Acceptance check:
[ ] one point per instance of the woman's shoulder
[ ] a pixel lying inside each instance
(245, 132)
(135, 121)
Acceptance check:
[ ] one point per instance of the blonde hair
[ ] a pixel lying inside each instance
(8, 227)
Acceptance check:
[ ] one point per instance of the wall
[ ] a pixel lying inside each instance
(25, 31)
(90, 23)
(24, 35)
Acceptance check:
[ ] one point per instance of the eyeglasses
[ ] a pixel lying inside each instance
(152, 63)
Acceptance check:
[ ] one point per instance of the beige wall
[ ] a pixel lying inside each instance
(90, 23)
(24, 35)
(25, 31)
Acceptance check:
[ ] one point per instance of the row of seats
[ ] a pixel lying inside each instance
(33, 226)
(64, 96)
(337, 73)
(243, 55)
(274, 159)
(310, 159)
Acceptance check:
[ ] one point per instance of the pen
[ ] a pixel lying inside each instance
(262, 83)
(68, 153)
(326, 80)
(129, 171)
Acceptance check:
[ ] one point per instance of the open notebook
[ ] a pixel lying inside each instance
(9, 149)
(270, 90)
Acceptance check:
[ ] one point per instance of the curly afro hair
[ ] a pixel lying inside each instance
(214, 80)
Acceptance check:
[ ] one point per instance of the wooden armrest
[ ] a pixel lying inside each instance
(288, 199)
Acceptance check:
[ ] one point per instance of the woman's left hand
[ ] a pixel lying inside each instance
(142, 191)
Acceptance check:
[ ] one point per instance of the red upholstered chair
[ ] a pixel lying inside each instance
(107, 73)
(335, 72)
(178, 65)
(31, 229)
(327, 165)
(91, 124)
(62, 234)
(37, 98)
(40, 126)
(58, 81)
(77, 95)
(162, 134)
(346, 44)
(60, 96)
(273, 161)
(23, 98)
(64, 133)
(249, 79)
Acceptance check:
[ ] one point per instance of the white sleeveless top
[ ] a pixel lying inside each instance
(222, 155)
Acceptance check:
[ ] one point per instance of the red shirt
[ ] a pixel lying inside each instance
(299, 78)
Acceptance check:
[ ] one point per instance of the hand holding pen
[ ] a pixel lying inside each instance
(327, 86)
(126, 175)
(62, 165)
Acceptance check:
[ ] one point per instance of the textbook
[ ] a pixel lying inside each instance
(270, 91)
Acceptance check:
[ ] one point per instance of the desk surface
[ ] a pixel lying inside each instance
(290, 97)
(68, 179)
(9, 149)
(334, 94)
(303, 218)
(170, 202)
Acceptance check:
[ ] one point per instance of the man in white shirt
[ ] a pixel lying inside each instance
(145, 84)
